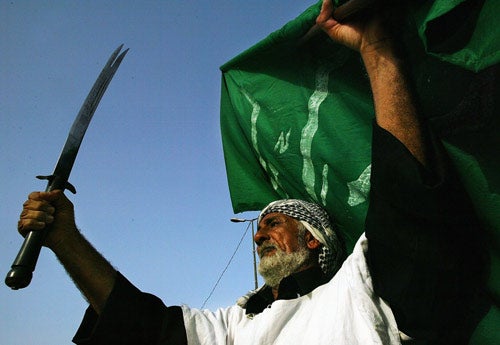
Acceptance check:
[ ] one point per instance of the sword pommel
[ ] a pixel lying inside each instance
(23, 266)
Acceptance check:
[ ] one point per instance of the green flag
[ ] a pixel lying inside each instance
(297, 113)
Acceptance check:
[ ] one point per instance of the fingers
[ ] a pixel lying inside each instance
(37, 212)
(33, 220)
(349, 34)
(47, 196)
(325, 19)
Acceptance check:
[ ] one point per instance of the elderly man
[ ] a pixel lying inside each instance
(415, 274)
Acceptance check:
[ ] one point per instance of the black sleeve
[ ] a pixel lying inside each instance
(425, 244)
(132, 317)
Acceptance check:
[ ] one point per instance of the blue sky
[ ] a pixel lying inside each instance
(152, 190)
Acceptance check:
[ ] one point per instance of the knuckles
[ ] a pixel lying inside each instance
(42, 209)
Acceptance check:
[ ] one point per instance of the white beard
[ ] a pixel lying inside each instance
(281, 264)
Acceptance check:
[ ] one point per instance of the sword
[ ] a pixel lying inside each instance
(23, 266)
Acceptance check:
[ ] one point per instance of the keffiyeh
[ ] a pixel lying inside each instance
(317, 221)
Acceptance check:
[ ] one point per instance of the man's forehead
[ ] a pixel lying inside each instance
(273, 216)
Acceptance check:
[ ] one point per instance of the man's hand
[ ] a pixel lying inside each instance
(365, 33)
(395, 104)
(51, 211)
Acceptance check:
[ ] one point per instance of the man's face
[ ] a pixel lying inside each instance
(281, 247)
(276, 231)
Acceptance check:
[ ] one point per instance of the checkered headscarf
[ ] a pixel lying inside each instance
(317, 221)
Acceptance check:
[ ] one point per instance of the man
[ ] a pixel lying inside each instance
(416, 273)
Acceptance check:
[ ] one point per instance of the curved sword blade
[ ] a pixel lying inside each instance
(82, 121)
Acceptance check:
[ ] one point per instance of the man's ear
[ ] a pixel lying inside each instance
(311, 241)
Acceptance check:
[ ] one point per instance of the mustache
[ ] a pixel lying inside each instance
(265, 247)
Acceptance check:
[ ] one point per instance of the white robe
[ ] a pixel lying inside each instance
(343, 311)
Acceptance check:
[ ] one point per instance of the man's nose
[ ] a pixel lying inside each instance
(260, 236)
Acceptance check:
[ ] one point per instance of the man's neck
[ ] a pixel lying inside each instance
(275, 289)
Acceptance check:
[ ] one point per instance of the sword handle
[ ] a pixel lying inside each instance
(23, 266)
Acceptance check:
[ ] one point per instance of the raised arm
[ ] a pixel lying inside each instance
(426, 246)
(90, 271)
(395, 106)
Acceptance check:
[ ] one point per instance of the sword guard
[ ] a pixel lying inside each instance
(51, 178)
